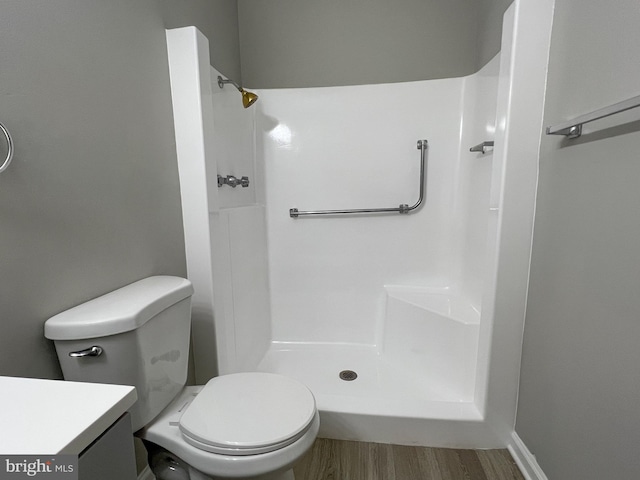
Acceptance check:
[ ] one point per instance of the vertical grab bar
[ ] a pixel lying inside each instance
(403, 208)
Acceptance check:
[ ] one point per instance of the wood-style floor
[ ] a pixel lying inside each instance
(345, 460)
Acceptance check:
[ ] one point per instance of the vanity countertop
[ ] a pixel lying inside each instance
(57, 417)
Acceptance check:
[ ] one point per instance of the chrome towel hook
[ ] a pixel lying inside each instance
(7, 160)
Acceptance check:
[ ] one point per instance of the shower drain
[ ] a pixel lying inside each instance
(348, 375)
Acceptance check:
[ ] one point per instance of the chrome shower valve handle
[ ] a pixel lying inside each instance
(233, 181)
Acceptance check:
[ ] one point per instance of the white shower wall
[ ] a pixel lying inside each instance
(238, 232)
(473, 205)
(355, 147)
(225, 233)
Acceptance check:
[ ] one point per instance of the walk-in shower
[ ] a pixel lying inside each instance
(397, 322)
(394, 297)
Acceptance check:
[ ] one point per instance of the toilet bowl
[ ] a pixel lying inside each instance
(246, 425)
(282, 434)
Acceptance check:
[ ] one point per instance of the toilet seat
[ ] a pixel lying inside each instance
(248, 414)
(164, 432)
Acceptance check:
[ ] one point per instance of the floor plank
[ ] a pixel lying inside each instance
(499, 464)
(382, 464)
(346, 460)
(471, 464)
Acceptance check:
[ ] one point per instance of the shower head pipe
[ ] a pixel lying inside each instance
(248, 98)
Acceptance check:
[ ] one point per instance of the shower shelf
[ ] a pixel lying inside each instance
(403, 208)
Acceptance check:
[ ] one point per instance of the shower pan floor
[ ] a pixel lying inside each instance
(382, 390)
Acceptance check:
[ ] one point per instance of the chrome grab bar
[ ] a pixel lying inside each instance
(573, 128)
(404, 208)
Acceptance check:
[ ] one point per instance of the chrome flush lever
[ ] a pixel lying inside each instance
(94, 351)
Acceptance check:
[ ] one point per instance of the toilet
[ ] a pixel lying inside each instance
(245, 425)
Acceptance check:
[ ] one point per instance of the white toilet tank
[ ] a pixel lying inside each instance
(137, 335)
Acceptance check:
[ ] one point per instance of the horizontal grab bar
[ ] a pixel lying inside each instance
(482, 147)
(573, 128)
(404, 208)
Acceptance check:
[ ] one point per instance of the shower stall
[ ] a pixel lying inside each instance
(403, 318)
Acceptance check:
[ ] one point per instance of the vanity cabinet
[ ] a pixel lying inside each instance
(87, 420)
(111, 456)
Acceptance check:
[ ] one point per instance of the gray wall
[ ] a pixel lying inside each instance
(91, 201)
(218, 21)
(307, 43)
(580, 383)
(489, 25)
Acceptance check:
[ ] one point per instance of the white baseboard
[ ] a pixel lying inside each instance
(525, 459)
(146, 474)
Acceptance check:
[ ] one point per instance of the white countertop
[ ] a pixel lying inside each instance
(56, 417)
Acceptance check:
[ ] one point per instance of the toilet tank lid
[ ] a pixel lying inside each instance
(122, 310)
